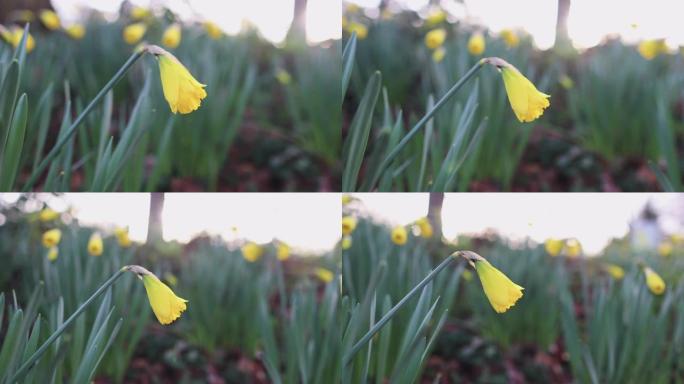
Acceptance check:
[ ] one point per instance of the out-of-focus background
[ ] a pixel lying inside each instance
(613, 70)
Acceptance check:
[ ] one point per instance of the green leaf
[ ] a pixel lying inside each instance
(15, 144)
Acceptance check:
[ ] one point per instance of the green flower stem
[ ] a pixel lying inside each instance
(438, 105)
(388, 316)
(24, 369)
(72, 129)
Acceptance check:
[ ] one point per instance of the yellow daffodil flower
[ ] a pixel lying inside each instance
(527, 102)
(48, 214)
(435, 16)
(213, 30)
(654, 281)
(282, 251)
(553, 246)
(251, 252)
(167, 307)
(346, 242)
(649, 49)
(510, 38)
(172, 36)
(438, 54)
(501, 292)
(665, 249)
(615, 271)
(140, 13)
(425, 227)
(435, 38)
(399, 235)
(134, 32)
(49, 19)
(573, 248)
(52, 254)
(14, 36)
(51, 238)
(324, 275)
(75, 31)
(181, 90)
(360, 29)
(476, 44)
(95, 246)
(348, 225)
(346, 199)
(283, 76)
(122, 237)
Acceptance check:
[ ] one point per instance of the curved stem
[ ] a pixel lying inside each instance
(72, 129)
(23, 370)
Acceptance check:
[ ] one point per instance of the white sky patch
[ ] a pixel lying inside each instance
(589, 21)
(594, 219)
(271, 17)
(306, 221)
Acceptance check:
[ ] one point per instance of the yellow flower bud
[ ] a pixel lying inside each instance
(566, 82)
(435, 16)
(283, 76)
(282, 251)
(140, 13)
(348, 225)
(425, 227)
(360, 29)
(615, 271)
(438, 54)
(122, 237)
(654, 282)
(14, 38)
(435, 38)
(501, 292)
(49, 19)
(324, 275)
(649, 49)
(510, 38)
(76, 31)
(467, 275)
(48, 214)
(399, 235)
(172, 36)
(553, 247)
(476, 44)
(167, 307)
(573, 248)
(346, 242)
(251, 252)
(51, 238)
(171, 279)
(213, 30)
(346, 199)
(52, 254)
(665, 249)
(95, 246)
(134, 32)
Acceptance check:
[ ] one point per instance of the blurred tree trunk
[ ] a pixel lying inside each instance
(154, 224)
(8, 6)
(562, 42)
(297, 30)
(435, 212)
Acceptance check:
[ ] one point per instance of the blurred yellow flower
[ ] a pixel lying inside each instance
(654, 281)
(75, 31)
(48, 214)
(181, 90)
(677, 238)
(282, 251)
(24, 15)
(649, 49)
(172, 36)
(134, 32)
(52, 254)
(346, 199)
(573, 248)
(49, 19)
(527, 102)
(467, 275)
(615, 271)
(435, 16)
(213, 30)
(348, 225)
(438, 54)
(566, 82)
(476, 44)
(122, 237)
(51, 238)
(510, 38)
(251, 252)
(352, 8)
(435, 38)
(499, 289)
(140, 13)
(171, 279)
(399, 235)
(553, 246)
(14, 38)
(360, 29)
(283, 76)
(424, 227)
(665, 249)
(325, 275)
(167, 307)
(95, 246)
(346, 242)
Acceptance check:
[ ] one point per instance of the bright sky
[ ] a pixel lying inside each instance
(592, 218)
(271, 17)
(588, 23)
(306, 221)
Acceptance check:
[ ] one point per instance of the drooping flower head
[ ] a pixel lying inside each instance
(348, 225)
(553, 246)
(282, 251)
(654, 282)
(435, 38)
(49, 19)
(324, 275)
(134, 32)
(399, 235)
(510, 38)
(213, 30)
(51, 238)
(615, 271)
(75, 31)
(424, 227)
(181, 90)
(95, 246)
(14, 35)
(527, 102)
(122, 237)
(476, 44)
(251, 251)
(167, 307)
(172, 36)
(649, 49)
(501, 292)
(48, 214)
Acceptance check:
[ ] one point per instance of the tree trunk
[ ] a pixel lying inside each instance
(298, 28)
(562, 42)
(154, 225)
(9, 6)
(435, 212)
